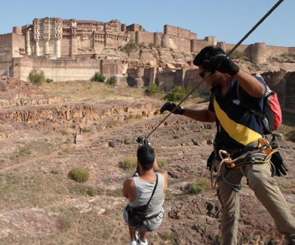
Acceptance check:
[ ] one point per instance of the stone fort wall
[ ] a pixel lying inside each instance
(64, 70)
(70, 45)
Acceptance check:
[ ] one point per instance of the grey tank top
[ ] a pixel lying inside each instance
(144, 191)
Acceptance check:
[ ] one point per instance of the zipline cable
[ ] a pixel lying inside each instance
(229, 53)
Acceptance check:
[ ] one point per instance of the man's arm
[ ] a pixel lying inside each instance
(200, 115)
(126, 187)
(163, 172)
(250, 84)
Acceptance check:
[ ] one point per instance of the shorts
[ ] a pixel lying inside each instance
(148, 224)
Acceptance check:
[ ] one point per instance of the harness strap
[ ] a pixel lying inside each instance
(258, 155)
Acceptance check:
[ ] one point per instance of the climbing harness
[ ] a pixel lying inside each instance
(209, 74)
(259, 155)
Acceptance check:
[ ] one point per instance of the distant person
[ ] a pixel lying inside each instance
(240, 134)
(139, 189)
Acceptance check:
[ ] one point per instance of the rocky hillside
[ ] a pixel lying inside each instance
(60, 126)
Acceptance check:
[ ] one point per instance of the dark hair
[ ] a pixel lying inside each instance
(203, 57)
(146, 156)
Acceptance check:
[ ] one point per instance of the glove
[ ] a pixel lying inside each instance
(141, 140)
(280, 166)
(172, 107)
(224, 64)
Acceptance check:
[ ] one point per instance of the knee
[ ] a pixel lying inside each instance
(229, 205)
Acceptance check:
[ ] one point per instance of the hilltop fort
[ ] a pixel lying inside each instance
(76, 49)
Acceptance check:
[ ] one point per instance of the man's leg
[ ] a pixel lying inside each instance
(143, 235)
(268, 193)
(230, 206)
(132, 233)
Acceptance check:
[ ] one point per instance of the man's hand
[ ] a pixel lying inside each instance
(172, 107)
(224, 64)
(281, 167)
(141, 140)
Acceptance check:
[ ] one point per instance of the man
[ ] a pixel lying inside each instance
(239, 131)
(138, 190)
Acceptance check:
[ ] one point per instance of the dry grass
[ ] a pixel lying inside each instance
(91, 92)
(41, 205)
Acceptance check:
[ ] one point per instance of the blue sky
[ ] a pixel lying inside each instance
(228, 20)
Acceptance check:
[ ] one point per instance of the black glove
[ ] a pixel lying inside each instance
(224, 64)
(172, 107)
(280, 166)
(141, 140)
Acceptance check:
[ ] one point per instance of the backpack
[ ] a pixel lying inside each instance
(271, 114)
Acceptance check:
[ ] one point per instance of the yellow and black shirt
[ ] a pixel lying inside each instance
(238, 127)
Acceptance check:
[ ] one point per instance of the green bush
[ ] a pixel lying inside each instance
(129, 163)
(90, 192)
(78, 174)
(23, 151)
(161, 162)
(166, 236)
(130, 47)
(55, 170)
(176, 94)
(237, 54)
(65, 222)
(153, 89)
(87, 130)
(114, 193)
(36, 77)
(98, 77)
(201, 185)
(111, 81)
(152, 45)
(48, 80)
(64, 131)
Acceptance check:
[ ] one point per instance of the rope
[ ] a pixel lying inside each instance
(230, 52)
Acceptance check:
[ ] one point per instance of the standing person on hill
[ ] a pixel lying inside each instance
(139, 189)
(239, 132)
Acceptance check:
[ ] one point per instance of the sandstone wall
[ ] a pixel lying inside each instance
(283, 84)
(5, 69)
(179, 32)
(18, 45)
(150, 75)
(6, 47)
(71, 41)
(178, 38)
(185, 78)
(259, 52)
(197, 45)
(144, 37)
(60, 70)
(192, 80)
(169, 80)
(66, 47)
(289, 89)
(227, 47)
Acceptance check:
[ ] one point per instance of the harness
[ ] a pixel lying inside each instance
(257, 153)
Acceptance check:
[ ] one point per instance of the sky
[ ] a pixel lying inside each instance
(228, 20)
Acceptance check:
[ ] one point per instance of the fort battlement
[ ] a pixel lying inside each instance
(65, 43)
